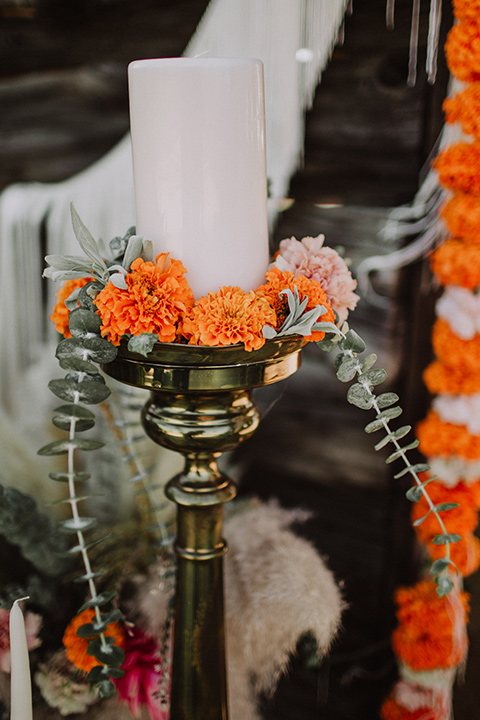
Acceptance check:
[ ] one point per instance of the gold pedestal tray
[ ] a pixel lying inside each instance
(200, 406)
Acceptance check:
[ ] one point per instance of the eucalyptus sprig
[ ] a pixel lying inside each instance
(349, 367)
(299, 320)
(84, 384)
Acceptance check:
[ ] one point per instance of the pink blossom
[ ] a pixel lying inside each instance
(32, 626)
(324, 265)
(144, 676)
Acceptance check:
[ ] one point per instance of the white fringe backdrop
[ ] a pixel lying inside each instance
(293, 38)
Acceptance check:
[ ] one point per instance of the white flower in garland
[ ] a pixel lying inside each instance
(464, 306)
(459, 410)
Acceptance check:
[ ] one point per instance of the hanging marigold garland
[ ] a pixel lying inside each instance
(430, 641)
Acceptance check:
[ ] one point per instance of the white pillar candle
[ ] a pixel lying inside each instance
(198, 142)
(20, 681)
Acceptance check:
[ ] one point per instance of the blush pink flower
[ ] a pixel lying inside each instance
(32, 626)
(140, 686)
(321, 264)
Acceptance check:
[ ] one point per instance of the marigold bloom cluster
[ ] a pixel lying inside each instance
(464, 108)
(60, 313)
(444, 379)
(76, 647)
(461, 215)
(462, 50)
(426, 637)
(444, 439)
(452, 350)
(156, 297)
(466, 9)
(457, 262)
(392, 710)
(458, 167)
(462, 519)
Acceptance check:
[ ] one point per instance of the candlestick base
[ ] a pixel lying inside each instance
(200, 405)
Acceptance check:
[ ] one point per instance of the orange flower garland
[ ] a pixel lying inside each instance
(461, 215)
(60, 312)
(457, 262)
(157, 295)
(426, 636)
(458, 167)
(76, 647)
(229, 317)
(431, 633)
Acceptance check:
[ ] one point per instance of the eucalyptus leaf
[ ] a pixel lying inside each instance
(142, 344)
(382, 417)
(106, 689)
(74, 525)
(447, 506)
(74, 411)
(88, 391)
(101, 599)
(61, 447)
(360, 397)
(368, 362)
(444, 585)
(418, 468)
(95, 628)
(354, 342)
(414, 494)
(64, 423)
(106, 651)
(65, 476)
(386, 399)
(103, 672)
(440, 565)
(338, 359)
(401, 432)
(94, 349)
(75, 363)
(348, 369)
(446, 538)
(88, 293)
(87, 577)
(84, 323)
(373, 377)
(329, 342)
(71, 302)
(79, 376)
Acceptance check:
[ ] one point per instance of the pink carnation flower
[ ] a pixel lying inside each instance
(141, 686)
(324, 265)
(32, 626)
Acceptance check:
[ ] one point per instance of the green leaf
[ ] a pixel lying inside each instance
(88, 391)
(107, 652)
(385, 415)
(348, 369)
(373, 377)
(88, 293)
(95, 349)
(65, 476)
(329, 342)
(386, 399)
(401, 432)
(444, 585)
(75, 363)
(101, 599)
(95, 628)
(420, 520)
(87, 243)
(446, 538)
(338, 359)
(384, 441)
(75, 411)
(414, 493)
(368, 362)
(418, 468)
(106, 689)
(84, 419)
(360, 397)
(64, 423)
(83, 323)
(440, 565)
(353, 342)
(142, 344)
(446, 506)
(103, 672)
(60, 447)
(74, 525)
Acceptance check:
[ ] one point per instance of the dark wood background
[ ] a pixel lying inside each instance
(63, 100)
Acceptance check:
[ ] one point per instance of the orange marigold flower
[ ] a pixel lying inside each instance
(278, 280)
(464, 108)
(156, 297)
(460, 520)
(444, 379)
(392, 710)
(465, 553)
(458, 167)
(60, 312)
(452, 350)
(76, 647)
(229, 317)
(466, 9)
(461, 215)
(426, 637)
(442, 439)
(457, 262)
(462, 50)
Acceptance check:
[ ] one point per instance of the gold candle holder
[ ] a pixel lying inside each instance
(200, 405)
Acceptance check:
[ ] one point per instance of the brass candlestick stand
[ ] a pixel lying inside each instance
(200, 405)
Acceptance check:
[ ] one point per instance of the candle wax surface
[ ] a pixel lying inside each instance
(198, 142)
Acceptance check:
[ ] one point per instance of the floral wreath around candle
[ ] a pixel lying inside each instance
(133, 299)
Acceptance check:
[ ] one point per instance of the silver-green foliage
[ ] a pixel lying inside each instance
(83, 383)
(349, 367)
